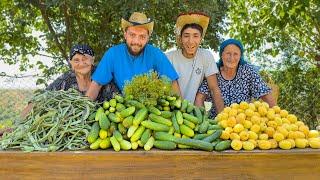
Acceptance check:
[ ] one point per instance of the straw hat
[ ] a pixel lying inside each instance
(139, 20)
(189, 18)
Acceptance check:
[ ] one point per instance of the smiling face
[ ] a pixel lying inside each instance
(82, 64)
(136, 39)
(231, 56)
(190, 40)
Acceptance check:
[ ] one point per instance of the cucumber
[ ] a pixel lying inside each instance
(98, 113)
(113, 102)
(122, 129)
(145, 136)
(213, 121)
(164, 136)
(166, 108)
(179, 117)
(171, 130)
(155, 126)
(175, 124)
(92, 116)
(94, 133)
(203, 127)
(186, 130)
(127, 112)
(106, 105)
(104, 122)
(103, 134)
(149, 144)
(96, 144)
(140, 116)
(114, 118)
(164, 102)
(117, 135)
(125, 145)
(120, 107)
(115, 144)
(171, 98)
(105, 143)
(177, 103)
(131, 130)
(181, 146)
(198, 113)
(119, 98)
(154, 110)
(160, 120)
(127, 122)
(135, 103)
(166, 114)
(194, 143)
(191, 118)
(213, 136)
(223, 145)
(112, 109)
(214, 127)
(137, 134)
(190, 107)
(165, 145)
(184, 105)
(134, 145)
(200, 136)
(189, 124)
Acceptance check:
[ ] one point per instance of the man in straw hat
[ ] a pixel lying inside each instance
(192, 63)
(121, 62)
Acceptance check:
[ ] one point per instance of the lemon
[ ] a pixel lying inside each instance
(247, 145)
(223, 123)
(294, 127)
(231, 121)
(292, 118)
(263, 126)
(238, 128)
(264, 120)
(241, 117)
(262, 110)
(234, 136)
(299, 123)
(299, 134)
(103, 134)
(252, 107)
(255, 128)
(263, 136)
(292, 135)
(278, 136)
(226, 110)
(236, 144)
(286, 126)
(244, 135)
(253, 135)
(243, 105)
(257, 104)
(225, 135)
(266, 105)
(271, 114)
(264, 144)
(283, 113)
(276, 109)
(293, 144)
(229, 129)
(314, 143)
(270, 131)
(222, 116)
(254, 142)
(234, 106)
(255, 119)
(304, 129)
(278, 120)
(240, 111)
(285, 120)
(283, 131)
(233, 112)
(274, 143)
(285, 144)
(313, 134)
(247, 124)
(272, 124)
(301, 143)
(249, 112)
(256, 114)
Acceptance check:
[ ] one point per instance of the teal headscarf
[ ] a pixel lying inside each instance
(225, 44)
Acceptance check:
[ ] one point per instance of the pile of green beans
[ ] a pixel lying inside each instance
(58, 121)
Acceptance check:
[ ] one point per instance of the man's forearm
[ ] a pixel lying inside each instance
(176, 87)
(93, 90)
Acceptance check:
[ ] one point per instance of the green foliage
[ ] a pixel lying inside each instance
(51, 27)
(148, 88)
(277, 23)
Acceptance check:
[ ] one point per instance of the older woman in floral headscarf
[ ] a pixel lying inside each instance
(237, 79)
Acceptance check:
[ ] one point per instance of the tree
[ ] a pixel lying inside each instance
(279, 23)
(51, 27)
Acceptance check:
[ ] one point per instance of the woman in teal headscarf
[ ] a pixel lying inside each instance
(237, 79)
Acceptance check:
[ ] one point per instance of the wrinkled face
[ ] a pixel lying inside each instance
(190, 39)
(136, 39)
(231, 56)
(82, 64)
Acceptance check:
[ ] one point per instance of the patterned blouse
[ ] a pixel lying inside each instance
(246, 86)
(68, 80)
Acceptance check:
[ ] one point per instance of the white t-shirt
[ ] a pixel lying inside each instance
(192, 71)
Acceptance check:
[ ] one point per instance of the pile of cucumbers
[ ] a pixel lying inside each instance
(124, 123)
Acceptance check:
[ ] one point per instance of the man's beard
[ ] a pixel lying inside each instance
(134, 53)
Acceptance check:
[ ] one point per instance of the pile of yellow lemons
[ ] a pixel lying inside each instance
(255, 125)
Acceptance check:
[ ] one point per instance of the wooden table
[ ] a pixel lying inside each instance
(155, 164)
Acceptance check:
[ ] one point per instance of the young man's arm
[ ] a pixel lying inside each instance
(268, 98)
(215, 92)
(176, 87)
(93, 90)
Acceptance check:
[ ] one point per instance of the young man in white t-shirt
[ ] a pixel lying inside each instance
(192, 63)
